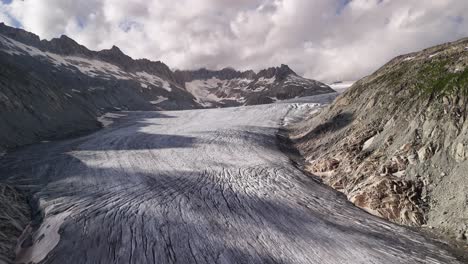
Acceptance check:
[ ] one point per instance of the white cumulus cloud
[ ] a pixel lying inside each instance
(322, 39)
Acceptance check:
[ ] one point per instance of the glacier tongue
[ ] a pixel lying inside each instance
(198, 186)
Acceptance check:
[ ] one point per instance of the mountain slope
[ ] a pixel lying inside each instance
(229, 87)
(52, 89)
(396, 142)
(55, 88)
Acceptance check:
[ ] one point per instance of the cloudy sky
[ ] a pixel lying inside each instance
(323, 39)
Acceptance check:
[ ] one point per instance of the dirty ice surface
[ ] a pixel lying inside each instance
(198, 186)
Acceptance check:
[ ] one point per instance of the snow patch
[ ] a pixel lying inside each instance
(274, 99)
(150, 79)
(107, 119)
(266, 81)
(210, 91)
(433, 55)
(96, 88)
(200, 89)
(93, 68)
(300, 81)
(45, 239)
(159, 100)
(259, 88)
(90, 67)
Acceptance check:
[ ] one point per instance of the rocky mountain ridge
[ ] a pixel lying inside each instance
(396, 141)
(228, 87)
(67, 46)
(54, 88)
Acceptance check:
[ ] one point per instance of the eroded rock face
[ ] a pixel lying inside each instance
(14, 216)
(395, 142)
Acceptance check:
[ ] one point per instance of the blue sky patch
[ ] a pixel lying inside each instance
(341, 6)
(127, 25)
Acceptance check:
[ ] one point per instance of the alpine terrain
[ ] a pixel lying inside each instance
(59, 87)
(228, 87)
(395, 143)
(107, 159)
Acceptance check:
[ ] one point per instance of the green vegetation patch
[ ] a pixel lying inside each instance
(435, 79)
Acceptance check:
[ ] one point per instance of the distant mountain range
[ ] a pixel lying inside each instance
(229, 87)
(54, 88)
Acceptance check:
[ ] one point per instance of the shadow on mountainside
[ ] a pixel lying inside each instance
(141, 216)
(328, 126)
(120, 212)
(333, 124)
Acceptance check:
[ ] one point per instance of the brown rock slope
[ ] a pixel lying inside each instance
(396, 143)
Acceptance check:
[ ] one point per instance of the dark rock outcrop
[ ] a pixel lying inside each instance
(15, 215)
(201, 74)
(279, 72)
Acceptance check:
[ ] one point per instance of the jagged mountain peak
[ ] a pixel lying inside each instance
(20, 35)
(224, 87)
(66, 38)
(280, 72)
(115, 55)
(65, 46)
(286, 68)
(229, 68)
(204, 73)
(228, 87)
(116, 50)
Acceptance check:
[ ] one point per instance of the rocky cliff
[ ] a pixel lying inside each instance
(396, 142)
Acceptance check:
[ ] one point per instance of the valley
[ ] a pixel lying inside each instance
(195, 186)
(109, 159)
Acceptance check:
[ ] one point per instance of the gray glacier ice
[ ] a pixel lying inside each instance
(195, 186)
